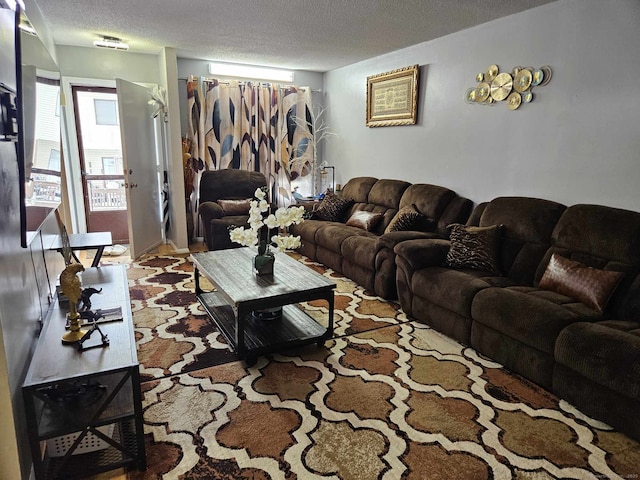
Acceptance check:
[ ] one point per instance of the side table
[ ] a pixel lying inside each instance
(86, 241)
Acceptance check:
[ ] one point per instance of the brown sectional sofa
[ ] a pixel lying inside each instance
(367, 256)
(589, 358)
(592, 359)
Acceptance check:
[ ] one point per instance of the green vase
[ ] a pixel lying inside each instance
(263, 264)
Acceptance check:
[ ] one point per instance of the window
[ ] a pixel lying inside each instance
(106, 112)
(109, 166)
(54, 160)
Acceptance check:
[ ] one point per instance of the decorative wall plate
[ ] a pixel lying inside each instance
(492, 71)
(470, 95)
(501, 86)
(494, 86)
(546, 69)
(522, 80)
(513, 101)
(482, 92)
(537, 77)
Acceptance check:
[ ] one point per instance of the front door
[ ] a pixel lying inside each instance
(101, 164)
(141, 144)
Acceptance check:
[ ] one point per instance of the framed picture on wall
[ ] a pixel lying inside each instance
(392, 97)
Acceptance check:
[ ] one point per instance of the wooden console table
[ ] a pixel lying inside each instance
(75, 400)
(86, 241)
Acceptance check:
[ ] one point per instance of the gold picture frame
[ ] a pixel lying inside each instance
(392, 97)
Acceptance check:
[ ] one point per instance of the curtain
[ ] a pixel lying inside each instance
(252, 126)
(193, 154)
(295, 136)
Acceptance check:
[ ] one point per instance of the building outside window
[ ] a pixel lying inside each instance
(106, 111)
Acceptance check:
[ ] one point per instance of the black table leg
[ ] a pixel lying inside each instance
(96, 259)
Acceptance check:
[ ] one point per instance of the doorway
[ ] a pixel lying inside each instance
(101, 163)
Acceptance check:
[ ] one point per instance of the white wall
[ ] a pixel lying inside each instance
(177, 204)
(577, 142)
(107, 64)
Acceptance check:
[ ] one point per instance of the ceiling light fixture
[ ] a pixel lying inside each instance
(249, 71)
(111, 42)
(26, 27)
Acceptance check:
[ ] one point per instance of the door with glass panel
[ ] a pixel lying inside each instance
(100, 146)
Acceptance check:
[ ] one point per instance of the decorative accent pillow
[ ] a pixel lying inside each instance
(365, 220)
(591, 286)
(474, 247)
(235, 207)
(332, 208)
(409, 218)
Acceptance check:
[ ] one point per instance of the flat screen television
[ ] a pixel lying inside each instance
(38, 105)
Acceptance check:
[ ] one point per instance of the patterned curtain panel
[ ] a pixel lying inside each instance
(242, 126)
(252, 126)
(195, 141)
(295, 138)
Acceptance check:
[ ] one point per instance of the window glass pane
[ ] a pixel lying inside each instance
(109, 166)
(106, 112)
(54, 160)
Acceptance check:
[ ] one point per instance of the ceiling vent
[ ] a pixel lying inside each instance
(111, 42)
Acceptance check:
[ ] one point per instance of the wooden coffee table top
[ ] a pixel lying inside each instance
(232, 272)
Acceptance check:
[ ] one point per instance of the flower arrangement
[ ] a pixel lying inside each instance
(262, 221)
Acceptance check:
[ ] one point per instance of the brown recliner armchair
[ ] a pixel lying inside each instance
(224, 201)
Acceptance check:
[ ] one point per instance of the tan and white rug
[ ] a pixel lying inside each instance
(387, 398)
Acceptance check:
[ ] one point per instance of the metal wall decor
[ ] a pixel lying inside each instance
(515, 87)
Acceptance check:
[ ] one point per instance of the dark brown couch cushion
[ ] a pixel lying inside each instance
(607, 356)
(409, 218)
(365, 220)
(526, 233)
(606, 238)
(235, 206)
(591, 286)
(474, 248)
(332, 208)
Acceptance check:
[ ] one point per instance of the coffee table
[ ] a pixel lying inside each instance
(239, 292)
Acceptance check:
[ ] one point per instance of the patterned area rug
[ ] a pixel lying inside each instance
(387, 398)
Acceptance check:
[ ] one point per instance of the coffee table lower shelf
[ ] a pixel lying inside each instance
(295, 328)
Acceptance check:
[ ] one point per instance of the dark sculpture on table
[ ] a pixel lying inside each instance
(85, 298)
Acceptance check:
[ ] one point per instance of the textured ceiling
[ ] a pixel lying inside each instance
(317, 35)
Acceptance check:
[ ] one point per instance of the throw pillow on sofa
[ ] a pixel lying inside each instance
(365, 220)
(409, 218)
(591, 286)
(332, 208)
(235, 207)
(475, 248)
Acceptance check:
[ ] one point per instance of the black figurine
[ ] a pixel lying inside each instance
(85, 298)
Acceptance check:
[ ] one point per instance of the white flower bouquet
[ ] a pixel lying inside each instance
(262, 221)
